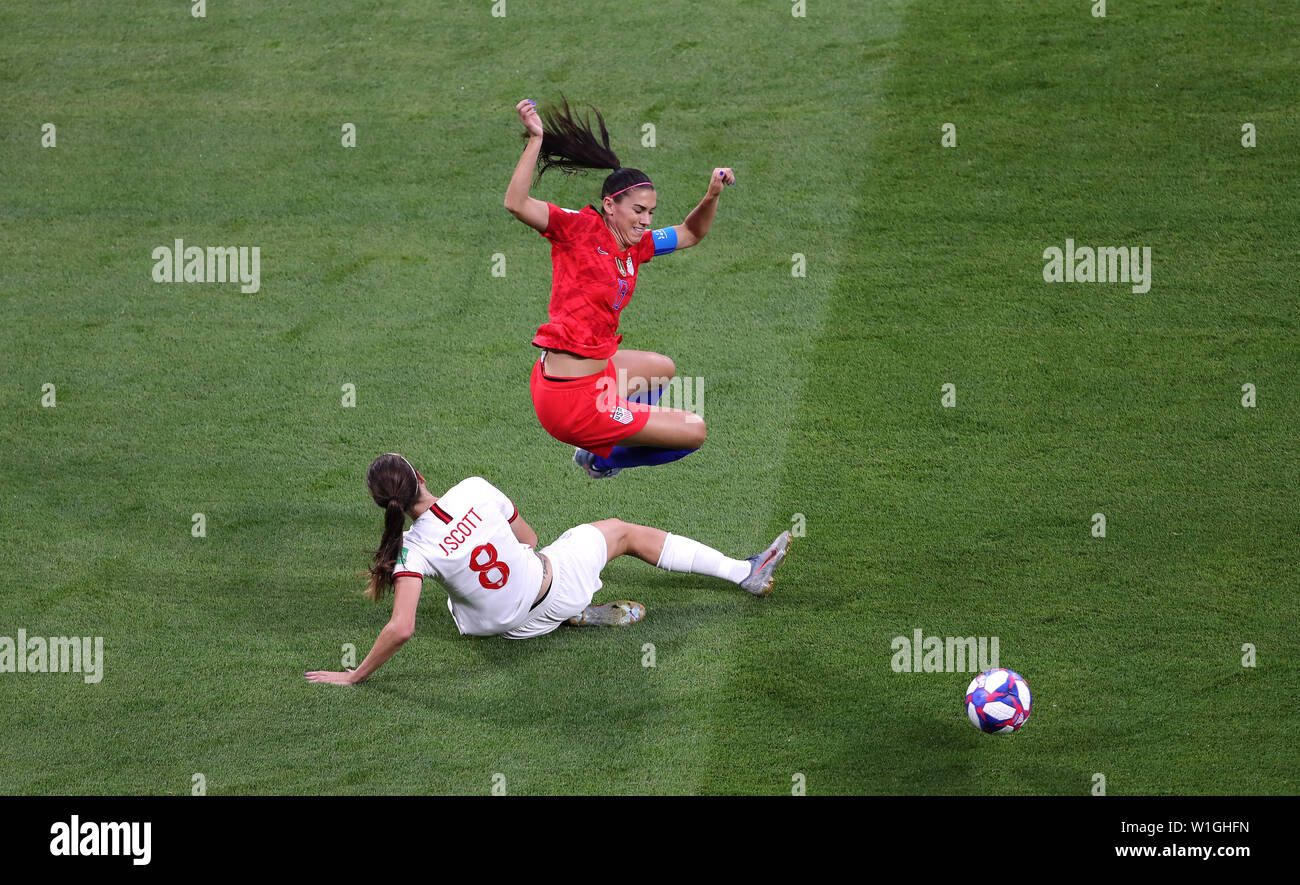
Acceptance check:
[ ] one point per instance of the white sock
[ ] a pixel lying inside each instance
(684, 555)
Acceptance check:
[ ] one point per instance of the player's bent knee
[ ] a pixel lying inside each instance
(616, 534)
(694, 432)
(665, 368)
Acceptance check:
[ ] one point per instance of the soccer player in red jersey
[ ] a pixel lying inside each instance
(596, 255)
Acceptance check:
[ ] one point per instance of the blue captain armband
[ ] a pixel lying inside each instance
(665, 240)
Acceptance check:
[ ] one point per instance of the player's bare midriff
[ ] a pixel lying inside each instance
(562, 364)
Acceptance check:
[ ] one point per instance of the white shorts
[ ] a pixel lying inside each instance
(577, 558)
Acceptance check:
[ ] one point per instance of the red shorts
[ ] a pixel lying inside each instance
(586, 412)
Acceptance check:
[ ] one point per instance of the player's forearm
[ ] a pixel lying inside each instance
(524, 533)
(701, 217)
(390, 639)
(521, 181)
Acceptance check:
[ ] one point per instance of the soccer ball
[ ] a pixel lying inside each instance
(997, 701)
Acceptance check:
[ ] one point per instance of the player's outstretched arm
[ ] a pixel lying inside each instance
(530, 211)
(697, 224)
(400, 627)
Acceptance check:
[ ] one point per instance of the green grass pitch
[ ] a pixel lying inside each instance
(823, 393)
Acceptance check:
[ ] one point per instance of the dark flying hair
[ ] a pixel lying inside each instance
(569, 144)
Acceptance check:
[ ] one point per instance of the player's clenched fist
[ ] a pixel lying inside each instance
(528, 116)
(721, 176)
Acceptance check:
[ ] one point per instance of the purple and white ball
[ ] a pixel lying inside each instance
(998, 701)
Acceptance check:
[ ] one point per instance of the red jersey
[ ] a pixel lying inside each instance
(591, 282)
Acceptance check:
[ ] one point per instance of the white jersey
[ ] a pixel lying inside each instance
(465, 541)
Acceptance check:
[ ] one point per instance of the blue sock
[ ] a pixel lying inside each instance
(638, 456)
(650, 399)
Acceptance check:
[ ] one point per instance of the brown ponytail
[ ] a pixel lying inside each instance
(394, 486)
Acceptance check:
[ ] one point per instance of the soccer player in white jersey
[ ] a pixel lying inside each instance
(474, 542)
